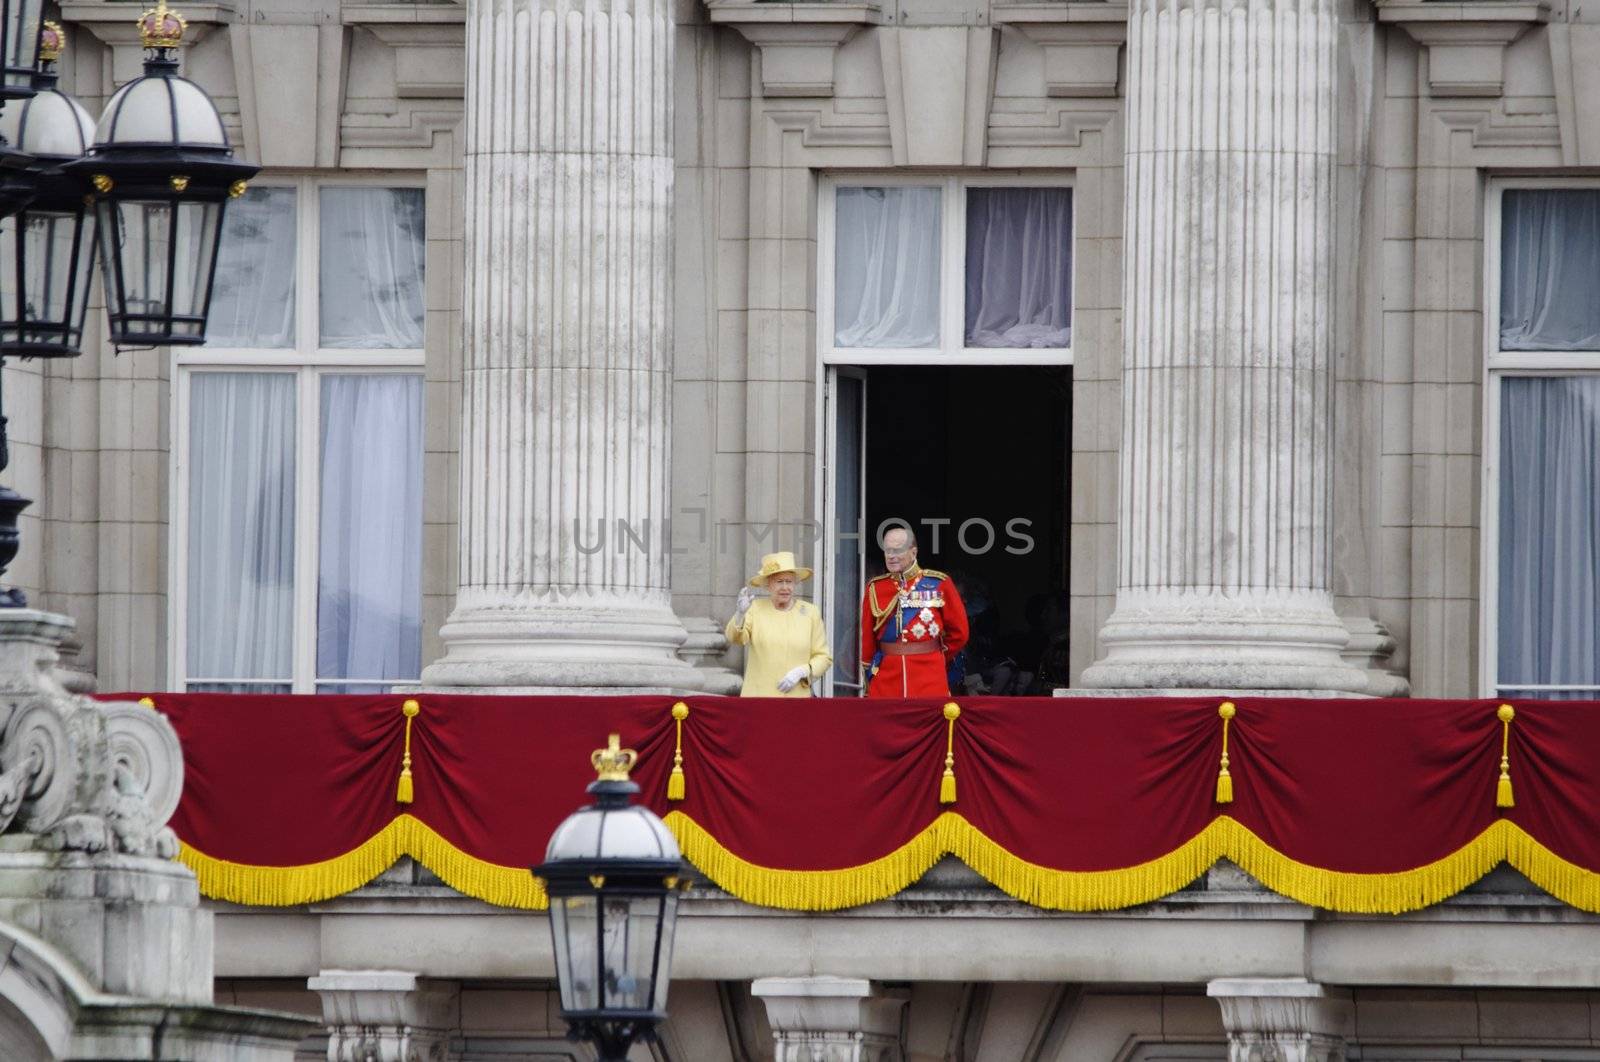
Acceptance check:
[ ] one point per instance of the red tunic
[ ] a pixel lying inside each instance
(922, 607)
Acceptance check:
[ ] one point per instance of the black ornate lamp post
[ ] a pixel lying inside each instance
(47, 248)
(162, 172)
(613, 874)
(154, 181)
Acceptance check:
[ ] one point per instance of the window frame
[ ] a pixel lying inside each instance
(952, 348)
(308, 362)
(1500, 365)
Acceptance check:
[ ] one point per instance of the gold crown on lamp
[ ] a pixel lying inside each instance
(613, 762)
(52, 42)
(161, 27)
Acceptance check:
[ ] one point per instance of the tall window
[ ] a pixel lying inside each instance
(1542, 455)
(298, 457)
(945, 271)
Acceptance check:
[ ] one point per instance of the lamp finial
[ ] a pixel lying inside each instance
(161, 27)
(613, 762)
(52, 41)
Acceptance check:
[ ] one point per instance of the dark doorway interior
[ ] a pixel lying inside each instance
(989, 450)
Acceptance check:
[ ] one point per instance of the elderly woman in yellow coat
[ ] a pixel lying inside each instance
(786, 649)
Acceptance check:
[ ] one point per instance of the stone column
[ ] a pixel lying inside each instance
(386, 1015)
(831, 1019)
(1228, 281)
(568, 361)
(1289, 1019)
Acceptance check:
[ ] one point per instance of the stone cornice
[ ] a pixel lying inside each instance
(797, 41)
(1466, 42)
(1082, 42)
(429, 45)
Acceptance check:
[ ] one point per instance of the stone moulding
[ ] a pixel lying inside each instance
(1466, 43)
(1082, 43)
(797, 42)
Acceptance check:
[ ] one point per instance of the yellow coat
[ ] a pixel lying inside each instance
(777, 642)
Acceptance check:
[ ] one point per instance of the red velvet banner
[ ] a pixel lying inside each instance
(1070, 803)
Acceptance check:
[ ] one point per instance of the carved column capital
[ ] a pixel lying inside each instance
(1283, 1019)
(386, 1015)
(832, 1019)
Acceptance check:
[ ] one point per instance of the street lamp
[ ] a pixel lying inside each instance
(162, 172)
(613, 873)
(47, 249)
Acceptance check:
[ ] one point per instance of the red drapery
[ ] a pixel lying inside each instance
(1067, 803)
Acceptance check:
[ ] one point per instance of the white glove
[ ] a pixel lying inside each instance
(792, 679)
(740, 607)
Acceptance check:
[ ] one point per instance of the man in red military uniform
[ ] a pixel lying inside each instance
(912, 625)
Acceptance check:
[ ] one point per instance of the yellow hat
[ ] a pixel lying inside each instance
(777, 564)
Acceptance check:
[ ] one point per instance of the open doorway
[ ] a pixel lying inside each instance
(977, 460)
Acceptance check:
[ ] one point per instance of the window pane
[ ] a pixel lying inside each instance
(1550, 270)
(372, 244)
(1019, 267)
(369, 582)
(253, 304)
(241, 526)
(886, 267)
(1549, 574)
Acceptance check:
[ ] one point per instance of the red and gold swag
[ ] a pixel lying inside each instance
(1070, 804)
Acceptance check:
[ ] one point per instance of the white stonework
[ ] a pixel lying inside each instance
(1283, 1019)
(832, 1019)
(385, 1015)
(105, 951)
(1224, 518)
(567, 380)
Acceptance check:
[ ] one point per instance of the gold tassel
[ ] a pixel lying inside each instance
(947, 784)
(1224, 779)
(1502, 794)
(148, 702)
(675, 781)
(404, 793)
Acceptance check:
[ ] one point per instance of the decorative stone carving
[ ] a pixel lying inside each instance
(938, 82)
(1228, 329)
(1082, 42)
(104, 950)
(385, 1015)
(567, 382)
(1283, 1020)
(832, 1019)
(1466, 42)
(798, 41)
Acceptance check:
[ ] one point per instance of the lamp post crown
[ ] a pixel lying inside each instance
(52, 42)
(161, 28)
(612, 763)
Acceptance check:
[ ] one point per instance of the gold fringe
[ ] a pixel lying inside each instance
(264, 886)
(950, 833)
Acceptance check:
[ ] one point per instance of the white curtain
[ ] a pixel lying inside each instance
(241, 529)
(1549, 564)
(1550, 270)
(252, 296)
(1019, 267)
(369, 586)
(372, 267)
(886, 267)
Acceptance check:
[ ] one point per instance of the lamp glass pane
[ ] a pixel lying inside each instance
(135, 236)
(21, 41)
(663, 969)
(44, 313)
(576, 937)
(196, 236)
(629, 939)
